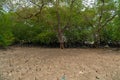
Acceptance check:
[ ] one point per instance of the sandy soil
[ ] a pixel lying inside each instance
(56, 64)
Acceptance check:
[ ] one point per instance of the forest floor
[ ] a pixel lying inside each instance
(55, 64)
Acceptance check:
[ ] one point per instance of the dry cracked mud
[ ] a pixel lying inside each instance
(55, 64)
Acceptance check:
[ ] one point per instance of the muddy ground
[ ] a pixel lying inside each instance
(55, 64)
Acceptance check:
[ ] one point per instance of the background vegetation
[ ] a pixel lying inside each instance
(70, 23)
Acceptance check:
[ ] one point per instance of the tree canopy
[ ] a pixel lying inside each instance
(70, 23)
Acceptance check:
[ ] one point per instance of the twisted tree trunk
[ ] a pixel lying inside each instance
(96, 39)
(59, 30)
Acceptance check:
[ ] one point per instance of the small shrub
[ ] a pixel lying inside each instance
(46, 37)
(6, 39)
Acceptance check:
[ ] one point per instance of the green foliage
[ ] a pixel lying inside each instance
(46, 37)
(23, 32)
(43, 28)
(76, 34)
(6, 39)
(111, 35)
(6, 35)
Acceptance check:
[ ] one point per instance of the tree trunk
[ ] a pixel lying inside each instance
(61, 41)
(96, 39)
(62, 45)
(59, 31)
(60, 37)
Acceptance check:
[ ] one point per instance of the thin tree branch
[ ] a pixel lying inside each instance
(69, 20)
(32, 15)
(101, 12)
(107, 21)
(36, 4)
